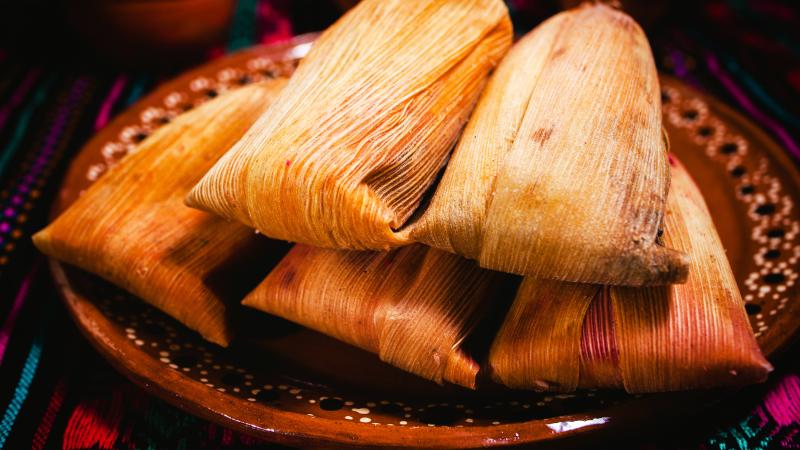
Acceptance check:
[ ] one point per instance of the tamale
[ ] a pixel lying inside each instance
(132, 228)
(413, 306)
(345, 154)
(561, 336)
(561, 172)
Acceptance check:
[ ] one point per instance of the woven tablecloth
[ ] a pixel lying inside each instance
(56, 392)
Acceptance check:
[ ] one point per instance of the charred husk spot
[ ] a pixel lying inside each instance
(541, 135)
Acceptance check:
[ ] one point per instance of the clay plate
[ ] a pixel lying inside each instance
(290, 385)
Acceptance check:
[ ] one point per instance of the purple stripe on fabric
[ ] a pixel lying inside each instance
(18, 95)
(49, 146)
(756, 114)
(108, 103)
(678, 64)
(49, 417)
(680, 68)
(16, 307)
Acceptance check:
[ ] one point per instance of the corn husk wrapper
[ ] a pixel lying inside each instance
(562, 336)
(344, 156)
(561, 172)
(132, 228)
(412, 306)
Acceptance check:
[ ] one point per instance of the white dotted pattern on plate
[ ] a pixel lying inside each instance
(168, 341)
(181, 350)
(774, 229)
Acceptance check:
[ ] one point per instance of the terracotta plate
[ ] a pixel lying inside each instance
(293, 386)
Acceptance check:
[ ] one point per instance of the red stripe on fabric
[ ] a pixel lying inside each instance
(227, 437)
(95, 423)
(137, 404)
(16, 307)
(108, 103)
(273, 22)
(49, 416)
(249, 440)
(216, 52)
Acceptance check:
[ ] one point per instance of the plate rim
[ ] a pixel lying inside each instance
(292, 428)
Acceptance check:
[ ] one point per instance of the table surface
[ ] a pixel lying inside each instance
(56, 392)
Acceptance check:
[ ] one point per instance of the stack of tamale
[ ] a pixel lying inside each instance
(414, 159)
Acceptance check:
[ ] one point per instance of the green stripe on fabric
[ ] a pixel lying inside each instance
(24, 121)
(26, 378)
(759, 92)
(243, 28)
(752, 86)
(137, 89)
(766, 24)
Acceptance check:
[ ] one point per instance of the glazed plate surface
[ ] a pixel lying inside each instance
(289, 385)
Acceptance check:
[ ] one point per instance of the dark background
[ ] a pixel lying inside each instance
(754, 44)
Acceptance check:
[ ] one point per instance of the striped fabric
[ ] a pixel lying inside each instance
(56, 392)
